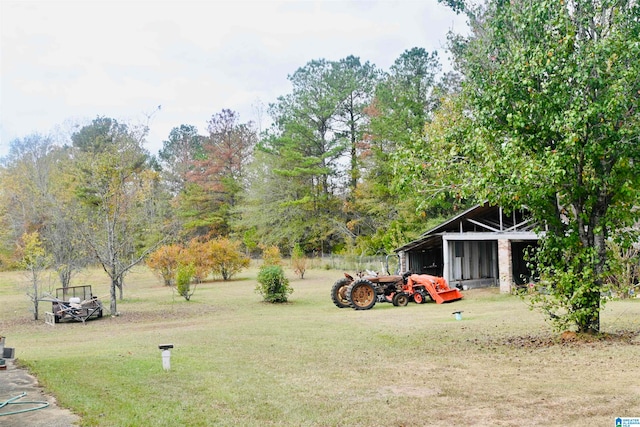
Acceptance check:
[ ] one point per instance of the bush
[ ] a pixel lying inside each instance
(271, 255)
(273, 284)
(197, 254)
(164, 262)
(184, 275)
(225, 257)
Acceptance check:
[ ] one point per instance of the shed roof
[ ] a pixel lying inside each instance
(482, 218)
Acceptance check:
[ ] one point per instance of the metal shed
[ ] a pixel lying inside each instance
(481, 247)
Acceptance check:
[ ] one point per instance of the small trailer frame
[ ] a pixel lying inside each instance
(75, 303)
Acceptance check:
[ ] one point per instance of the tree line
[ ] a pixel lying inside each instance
(321, 179)
(541, 110)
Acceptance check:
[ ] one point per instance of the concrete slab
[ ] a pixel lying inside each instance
(13, 382)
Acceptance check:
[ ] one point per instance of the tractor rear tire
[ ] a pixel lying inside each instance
(400, 299)
(361, 295)
(339, 293)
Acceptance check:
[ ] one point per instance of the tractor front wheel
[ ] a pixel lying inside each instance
(418, 297)
(400, 299)
(339, 293)
(361, 295)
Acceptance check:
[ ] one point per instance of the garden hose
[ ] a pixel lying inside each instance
(12, 401)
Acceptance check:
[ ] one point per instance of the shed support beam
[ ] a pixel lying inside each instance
(505, 270)
(445, 260)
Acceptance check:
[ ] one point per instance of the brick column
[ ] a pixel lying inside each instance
(505, 271)
(445, 260)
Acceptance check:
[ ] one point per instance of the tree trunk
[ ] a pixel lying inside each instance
(591, 237)
(64, 274)
(112, 295)
(35, 307)
(35, 295)
(120, 286)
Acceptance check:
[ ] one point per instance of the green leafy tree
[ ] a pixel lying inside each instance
(178, 154)
(388, 209)
(297, 176)
(549, 117)
(357, 82)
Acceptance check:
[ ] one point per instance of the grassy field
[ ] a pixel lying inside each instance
(240, 362)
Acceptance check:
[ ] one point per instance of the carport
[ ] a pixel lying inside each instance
(481, 247)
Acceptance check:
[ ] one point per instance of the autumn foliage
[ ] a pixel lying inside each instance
(220, 257)
(226, 258)
(165, 261)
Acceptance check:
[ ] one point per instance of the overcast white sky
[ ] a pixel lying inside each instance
(67, 62)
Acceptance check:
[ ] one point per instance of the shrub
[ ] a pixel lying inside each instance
(271, 255)
(273, 284)
(184, 275)
(225, 257)
(164, 262)
(197, 254)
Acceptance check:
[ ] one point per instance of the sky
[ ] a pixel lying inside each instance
(167, 63)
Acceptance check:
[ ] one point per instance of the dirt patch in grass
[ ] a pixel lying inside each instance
(170, 313)
(567, 339)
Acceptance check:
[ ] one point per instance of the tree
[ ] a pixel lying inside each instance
(36, 196)
(550, 108)
(297, 164)
(282, 206)
(61, 232)
(216, 179)
(116, 192)
(299, 261)
(357, 83)
(387, 203)
(624, 270)
(26, 178)
(34, 261)
(178, 155)
(403, 98)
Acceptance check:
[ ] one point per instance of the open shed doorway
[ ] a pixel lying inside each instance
(520, 251)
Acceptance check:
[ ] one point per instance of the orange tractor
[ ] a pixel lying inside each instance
(419, 287)
(364, 292)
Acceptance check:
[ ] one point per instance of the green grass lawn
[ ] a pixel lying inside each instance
(240, 362)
